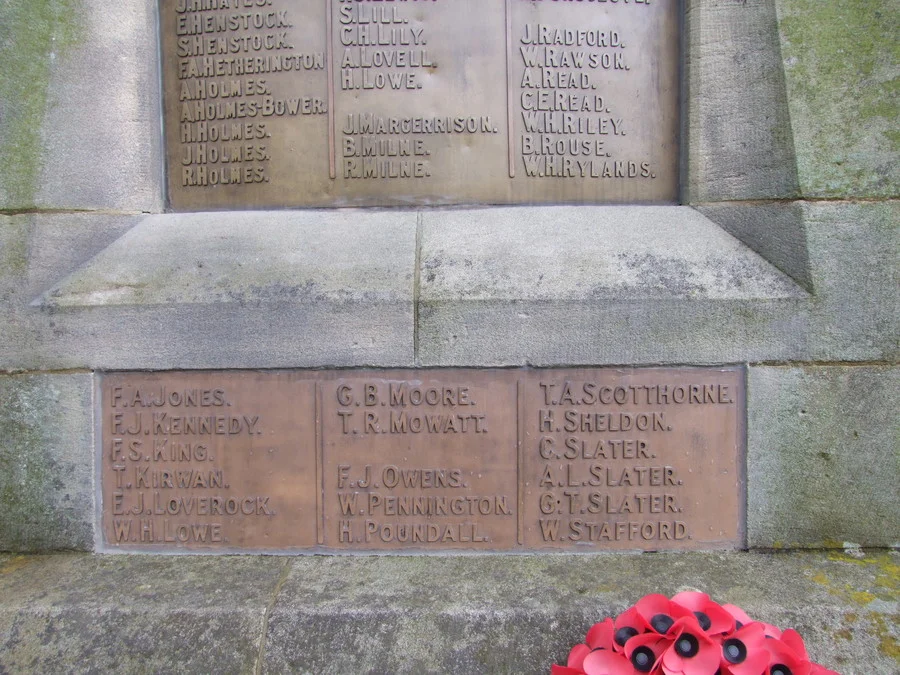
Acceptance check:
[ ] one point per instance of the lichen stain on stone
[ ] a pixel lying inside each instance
(14, 233)
(887, 578)
(881, 627)
(23, 473)
(885, 587)
(842, 64)
(33, 34)
(15, 563)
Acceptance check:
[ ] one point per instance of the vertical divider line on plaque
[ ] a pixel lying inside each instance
(329, 60)
(320, 467)
(510, 122)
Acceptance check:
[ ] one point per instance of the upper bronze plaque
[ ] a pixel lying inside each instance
(278, 103)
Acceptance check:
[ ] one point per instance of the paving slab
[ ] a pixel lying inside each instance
(459, 614)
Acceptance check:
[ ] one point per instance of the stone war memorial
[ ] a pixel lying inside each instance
(417, 336)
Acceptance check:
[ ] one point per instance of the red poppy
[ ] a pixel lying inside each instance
(713, 619)
(602, 635)
(744, 651)
(644, 651)
(659, 612)
(691, 651)
(628, 624)
(688, 634)
(783, 660)
(605, 662)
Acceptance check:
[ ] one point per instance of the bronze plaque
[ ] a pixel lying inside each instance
(425, 460)
(633, 459)
(422, 462)
(209, 461)
(272, 103)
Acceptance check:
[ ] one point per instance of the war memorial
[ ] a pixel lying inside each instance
(407, 336)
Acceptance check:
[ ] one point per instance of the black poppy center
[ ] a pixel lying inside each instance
(642, 659)
(687, 646)
(780, 669)
(624, 634)
(661, 623)
(703, 619)
(734, 651)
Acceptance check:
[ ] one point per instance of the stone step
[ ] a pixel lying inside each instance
(460, 614)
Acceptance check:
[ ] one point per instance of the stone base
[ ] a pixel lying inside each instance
(82, 613)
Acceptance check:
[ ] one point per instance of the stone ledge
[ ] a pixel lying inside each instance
(474, 614)
(249, 258)
(497, 287)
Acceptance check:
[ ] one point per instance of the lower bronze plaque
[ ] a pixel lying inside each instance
(427, 460)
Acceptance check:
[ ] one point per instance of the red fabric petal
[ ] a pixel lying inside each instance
(691, 600)
(600, 636)
(705, 662)
(780, 653)
(576, 656)
(753, 636)
(721, 622)
(771, 631)
(603, 662)
(687, 623)
(652, 605)
(756, 664)
(792, 639)
(629, 619)
(738, 614)
(657, 644)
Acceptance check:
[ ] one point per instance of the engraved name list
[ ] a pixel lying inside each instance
(349, 102)
(487, 460)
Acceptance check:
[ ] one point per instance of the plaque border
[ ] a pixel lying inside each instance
(741, 436)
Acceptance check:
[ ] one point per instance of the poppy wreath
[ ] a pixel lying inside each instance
(688, 634)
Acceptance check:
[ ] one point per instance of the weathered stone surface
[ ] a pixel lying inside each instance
(249, 258)
(567, 253)
(212, 290)
(141, 614)
(823, 456)
(775, 230)
(842, 68)
(853, 250)
(616, 285)
(546, 286)
(738, 131)
(35, 249)
(46, 463)
(79, 105)
(598, 285)
(412, 615)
